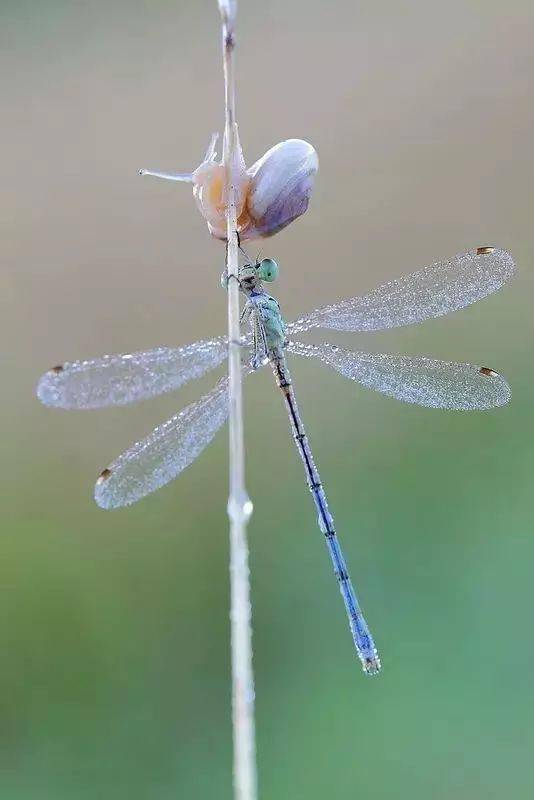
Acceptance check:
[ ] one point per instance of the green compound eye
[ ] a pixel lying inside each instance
(268, 270)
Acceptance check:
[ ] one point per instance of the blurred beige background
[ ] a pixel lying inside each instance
(114, 675)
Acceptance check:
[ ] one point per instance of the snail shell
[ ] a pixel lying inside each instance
(269, 195)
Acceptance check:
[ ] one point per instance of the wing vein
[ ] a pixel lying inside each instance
(433, 291)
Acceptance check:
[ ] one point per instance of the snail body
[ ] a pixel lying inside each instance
(269, 195)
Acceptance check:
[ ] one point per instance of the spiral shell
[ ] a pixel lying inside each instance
(281, 183)
(269, 195)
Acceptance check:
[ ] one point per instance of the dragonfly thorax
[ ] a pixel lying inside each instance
(267, 326)
(262, 311)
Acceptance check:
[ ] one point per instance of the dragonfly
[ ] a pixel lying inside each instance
(431, 292)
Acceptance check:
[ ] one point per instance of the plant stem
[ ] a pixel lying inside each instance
(239, 504)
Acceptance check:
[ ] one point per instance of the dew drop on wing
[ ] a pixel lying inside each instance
(163, 454)
(127, 378)
(441, 288)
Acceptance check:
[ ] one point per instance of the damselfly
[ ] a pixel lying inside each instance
(151, 463)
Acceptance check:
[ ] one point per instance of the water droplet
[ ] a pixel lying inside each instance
(240, 508)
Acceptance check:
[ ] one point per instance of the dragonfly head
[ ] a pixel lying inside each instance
(267, 270)
(252, 275)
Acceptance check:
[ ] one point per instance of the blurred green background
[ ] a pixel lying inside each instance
(114, 666)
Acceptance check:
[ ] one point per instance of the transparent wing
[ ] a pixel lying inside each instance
(122, 379)
(425, 381)
(433, 291)
(168, 450)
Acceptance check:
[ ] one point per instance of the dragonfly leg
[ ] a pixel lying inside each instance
(260, 354)
(244, 253)
(255, 359)
(263, 337)
(245, 314)
(254, 346)
(242, 250)
(225, 278)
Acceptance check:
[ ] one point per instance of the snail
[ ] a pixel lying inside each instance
(270, 194)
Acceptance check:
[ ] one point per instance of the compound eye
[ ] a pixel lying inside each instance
(268, 270)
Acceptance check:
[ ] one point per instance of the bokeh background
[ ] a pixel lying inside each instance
(114, 665)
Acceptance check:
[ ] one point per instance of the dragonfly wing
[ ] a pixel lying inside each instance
(122, 379)
(433, 291)
(165, 452)
(424, 381)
